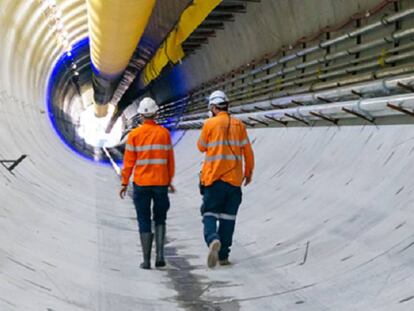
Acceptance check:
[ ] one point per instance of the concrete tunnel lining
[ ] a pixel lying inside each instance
(326, 224)
(359, 250)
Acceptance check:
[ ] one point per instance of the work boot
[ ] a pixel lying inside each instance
(159, 245)
(224, 262)
(146, 244)
(212, 257)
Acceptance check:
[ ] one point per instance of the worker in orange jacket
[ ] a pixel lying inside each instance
(224, 140)
(149, 153)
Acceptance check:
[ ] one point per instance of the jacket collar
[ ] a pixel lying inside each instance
(149, 122)
(222, 113)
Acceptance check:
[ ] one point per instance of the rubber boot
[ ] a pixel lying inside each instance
(146, 244)
(159, 245)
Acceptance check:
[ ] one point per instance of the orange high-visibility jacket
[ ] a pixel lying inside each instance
(150, 152)
(225, 147)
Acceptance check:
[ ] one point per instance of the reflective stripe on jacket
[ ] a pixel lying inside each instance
(225, 142)
(150, 152)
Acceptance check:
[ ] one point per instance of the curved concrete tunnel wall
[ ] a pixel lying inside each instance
(280, 24)
(326, 225)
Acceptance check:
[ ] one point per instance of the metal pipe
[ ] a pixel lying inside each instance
(395, 37)
(115, 29)
(323, 45)
(333, 84)
(366, 88)
(315, 71)
(265, 90)
(376, 107)
(357, 49)
(171, 50)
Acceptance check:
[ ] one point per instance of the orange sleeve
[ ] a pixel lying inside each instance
(130, 157)
(203, 140)
(171, 161)
(248, 154)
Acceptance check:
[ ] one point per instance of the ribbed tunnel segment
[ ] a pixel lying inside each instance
(327, 223)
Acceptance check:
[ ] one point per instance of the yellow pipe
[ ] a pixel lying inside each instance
(115, 28)
(171, 49)
(100, 110)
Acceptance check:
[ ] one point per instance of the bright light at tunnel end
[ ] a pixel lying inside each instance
(103, 140)
(92, 129)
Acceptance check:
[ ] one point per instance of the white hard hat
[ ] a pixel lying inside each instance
(147, 107)
(219, 99)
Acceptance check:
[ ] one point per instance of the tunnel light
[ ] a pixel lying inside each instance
(53, 15)
(63, 35)
(59, 26)
(58, 14)
(44, 6)
(74, 66)
(92, 129)
(50, 3)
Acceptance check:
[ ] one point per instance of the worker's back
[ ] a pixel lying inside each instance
(149, 149)
(225, 141)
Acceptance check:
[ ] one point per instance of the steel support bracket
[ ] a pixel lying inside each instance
(360, 95)
(276, 106)
(324, 117)
(297, 103)
(406, 87)
(323, 99)
(360, 114)
(259, 108)
(248, 124)
(285, 123)
(401, 109)
(258, 121)
(304, 121)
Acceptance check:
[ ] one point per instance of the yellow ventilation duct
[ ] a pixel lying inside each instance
(171, 49)
(115, 28)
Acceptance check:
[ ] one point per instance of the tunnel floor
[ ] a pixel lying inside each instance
(326, 225)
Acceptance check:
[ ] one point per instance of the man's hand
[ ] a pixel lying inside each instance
(123, 191)
(171, 189)
(247, 180)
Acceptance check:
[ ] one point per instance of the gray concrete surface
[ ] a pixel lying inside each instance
(264, 28)
(67, 242)
(326, 225)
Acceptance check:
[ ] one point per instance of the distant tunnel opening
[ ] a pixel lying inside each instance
(70, 108)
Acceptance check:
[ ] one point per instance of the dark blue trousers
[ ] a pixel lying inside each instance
(221, 202)
(143, 198)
